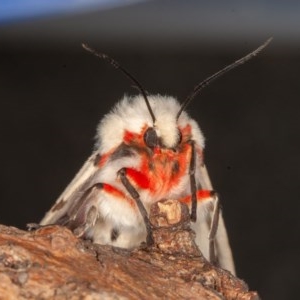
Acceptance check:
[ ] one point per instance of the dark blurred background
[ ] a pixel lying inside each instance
(53, 94)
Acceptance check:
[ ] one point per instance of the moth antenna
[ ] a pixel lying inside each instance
(208, 80)
(117, 66)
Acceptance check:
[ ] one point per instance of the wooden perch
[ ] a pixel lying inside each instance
(51, 263)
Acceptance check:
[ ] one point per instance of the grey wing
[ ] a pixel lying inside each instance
(222, 246)
(73, 194)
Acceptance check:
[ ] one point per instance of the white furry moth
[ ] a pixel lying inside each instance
(147, 149)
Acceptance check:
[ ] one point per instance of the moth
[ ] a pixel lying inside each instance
(147, 149)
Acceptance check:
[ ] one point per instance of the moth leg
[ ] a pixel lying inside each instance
(193, 182)
(135, 195)
(213, 229)
(213, 226)
(90, 221)
(84, 214)
(33, 226)
(207, 221)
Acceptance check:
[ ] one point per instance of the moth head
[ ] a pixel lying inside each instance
(130, 119)
(164, 132)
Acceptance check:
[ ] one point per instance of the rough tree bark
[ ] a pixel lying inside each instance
(51, 263)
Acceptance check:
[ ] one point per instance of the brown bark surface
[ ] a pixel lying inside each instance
(51, 263)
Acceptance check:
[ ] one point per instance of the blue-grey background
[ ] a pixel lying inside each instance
(53, 94)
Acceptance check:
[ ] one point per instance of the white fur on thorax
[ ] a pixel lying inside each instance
(132, 114)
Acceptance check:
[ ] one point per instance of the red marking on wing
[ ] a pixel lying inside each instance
(202, 195)
(112, 190)
(116, 193)
(103, 159)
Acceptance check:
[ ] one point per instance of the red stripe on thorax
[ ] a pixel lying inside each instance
(128, 137)
(135, 138)
(139, 178)
(186, 133)
(164, 169)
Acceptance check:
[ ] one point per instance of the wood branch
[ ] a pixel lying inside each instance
(51, 263)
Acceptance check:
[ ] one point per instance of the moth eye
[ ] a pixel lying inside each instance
(150, 137)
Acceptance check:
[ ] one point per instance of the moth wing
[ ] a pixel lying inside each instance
(223, 249)
(73, 192)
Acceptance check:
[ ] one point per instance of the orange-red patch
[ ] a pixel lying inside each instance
(128, 137)
(135, 138)
(139, 178)
(117, 194)
(186, 133)
(103, 159)
(202, 195)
